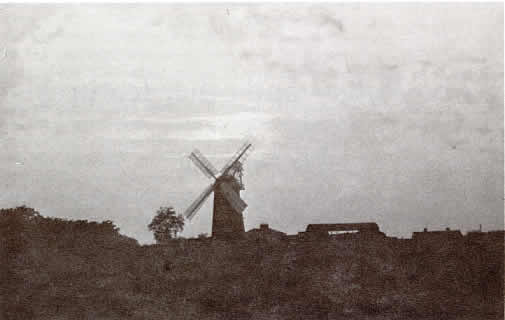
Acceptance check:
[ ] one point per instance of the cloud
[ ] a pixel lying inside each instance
(356, 111)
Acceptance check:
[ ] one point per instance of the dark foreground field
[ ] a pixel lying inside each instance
(57, 269)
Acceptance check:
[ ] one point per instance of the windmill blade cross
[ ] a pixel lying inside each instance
(233, 198)
(203, 164)
(197, 204)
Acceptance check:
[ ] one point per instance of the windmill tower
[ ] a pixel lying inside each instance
(227, 219)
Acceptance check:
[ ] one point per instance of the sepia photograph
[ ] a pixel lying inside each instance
(252, 161)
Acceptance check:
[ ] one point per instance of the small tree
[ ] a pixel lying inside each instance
(166, 224)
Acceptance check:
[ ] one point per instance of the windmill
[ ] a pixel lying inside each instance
(227, 219)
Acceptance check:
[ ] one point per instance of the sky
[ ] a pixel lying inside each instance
(389, 113)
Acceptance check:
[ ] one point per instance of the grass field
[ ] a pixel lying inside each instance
(58, 269)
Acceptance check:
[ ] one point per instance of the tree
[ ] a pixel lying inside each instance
(166, 224)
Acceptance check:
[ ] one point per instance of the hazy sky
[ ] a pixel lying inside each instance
(388, 113)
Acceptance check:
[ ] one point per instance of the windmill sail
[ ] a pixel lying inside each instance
(203, 164)
(239, 154)
(197, 204)
(233, 198)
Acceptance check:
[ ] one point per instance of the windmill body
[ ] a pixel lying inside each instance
(227, 222)
(227, 217)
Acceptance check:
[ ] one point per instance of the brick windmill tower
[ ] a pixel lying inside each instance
(227, 218)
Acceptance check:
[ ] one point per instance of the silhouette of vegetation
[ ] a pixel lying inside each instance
(54, 268)
(166, 224)
(45, 262)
